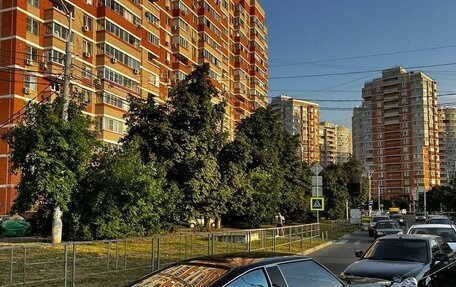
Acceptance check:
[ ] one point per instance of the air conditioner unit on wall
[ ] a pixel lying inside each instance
(26, 91)
(85, 28)
(86, 55)
(136, 71)
(113, 60)
(28, 62)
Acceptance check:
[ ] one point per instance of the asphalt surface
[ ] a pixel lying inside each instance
(341, 253)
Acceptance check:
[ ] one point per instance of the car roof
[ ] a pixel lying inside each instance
(432, 226)
(426, 237)
(252, 259)
(438, 217)
(389, 220)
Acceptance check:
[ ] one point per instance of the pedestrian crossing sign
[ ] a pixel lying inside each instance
(317, 204)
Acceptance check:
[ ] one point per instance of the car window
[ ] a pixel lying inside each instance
(398, 250)
(448, 234)
(381, 225)
(308, 274)
(440, 221)
(255, 278)
(435, 248)
(444, 246)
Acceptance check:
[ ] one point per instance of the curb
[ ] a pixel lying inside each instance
(316, 248)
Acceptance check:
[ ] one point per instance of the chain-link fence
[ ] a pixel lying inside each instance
(116, 262)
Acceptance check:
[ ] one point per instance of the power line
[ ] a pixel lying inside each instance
(364, 56)
(356, 72)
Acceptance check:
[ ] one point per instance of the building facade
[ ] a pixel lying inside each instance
(447, 143)
(335, 143)
(300, 118)
(395, 133)
(129, 47)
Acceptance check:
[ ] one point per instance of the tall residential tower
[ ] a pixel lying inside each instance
(395, 132)
(128, 47)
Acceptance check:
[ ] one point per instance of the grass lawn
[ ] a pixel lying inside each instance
(117, 262)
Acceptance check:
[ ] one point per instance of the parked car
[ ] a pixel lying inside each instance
(399, 219)
(404, 211)
(419, 216)
(446, 231)
(427, 258)
(253, 269)
(374, 221)
(387, 227)
(439, 220)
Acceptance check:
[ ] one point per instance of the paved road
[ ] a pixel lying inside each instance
(342, 253)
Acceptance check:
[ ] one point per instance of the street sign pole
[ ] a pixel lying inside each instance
(316, 168)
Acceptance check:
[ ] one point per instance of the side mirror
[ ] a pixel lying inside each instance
(441, 257)
(359, 253)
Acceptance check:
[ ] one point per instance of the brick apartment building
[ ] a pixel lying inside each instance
(300, 118)
(335, 143)
(447, 143)
(137, 47)
(395, 132)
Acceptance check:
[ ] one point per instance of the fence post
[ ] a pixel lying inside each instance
(249, 242)
(274, 241)
(180, 248)
(125, 253)
(158, 252)
(209, 244)
(185, 249)
(25, 263)
(152, 251)
(302, 237)
(73, 271)
(11, 265)
(117, 254)
(109, 254)
(65, 266)
(289, 238)
(311, 234)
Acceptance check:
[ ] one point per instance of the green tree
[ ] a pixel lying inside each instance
(335, 191)
(401, 202)
(121, 196)
(262, 146)
(50, 155)
(186, 135)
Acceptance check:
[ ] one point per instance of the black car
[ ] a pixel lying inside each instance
(374, 221)
(425, 257)
(387, 227)
(252, 269)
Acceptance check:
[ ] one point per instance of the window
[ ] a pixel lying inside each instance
(56, 30)
(54, 56)
(86, 71)
(86, 47)
(253, 278)
(153, 39)
(152, 79)
(308, 273)
(88, 2)
(33, 26)
(109, 124)
(31, 53)
(87, 21)
(116, 101)
(33, 2)
(30, 82)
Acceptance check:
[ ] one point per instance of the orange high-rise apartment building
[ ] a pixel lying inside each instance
(396, 133)
(122, 47)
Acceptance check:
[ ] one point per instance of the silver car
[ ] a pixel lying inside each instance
(446, 231)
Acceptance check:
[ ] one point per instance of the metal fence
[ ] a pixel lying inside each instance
(115, 262)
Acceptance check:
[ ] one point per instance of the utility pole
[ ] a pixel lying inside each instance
(57, 224)
(369, 173)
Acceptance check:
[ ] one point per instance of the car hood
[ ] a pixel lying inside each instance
(386, 269)
(367, 282)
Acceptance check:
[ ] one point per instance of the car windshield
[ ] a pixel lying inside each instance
(448, 234)
(398, 250)
(440, 221)
(183, 275)
(376, 219)
(381, 225)
(420, 214)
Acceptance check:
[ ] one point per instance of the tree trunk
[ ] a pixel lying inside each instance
(57, 225)
(207, 223)
(218, 223)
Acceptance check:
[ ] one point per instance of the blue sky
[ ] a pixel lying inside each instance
(308, 31)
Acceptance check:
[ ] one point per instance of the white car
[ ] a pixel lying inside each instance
(446, 231)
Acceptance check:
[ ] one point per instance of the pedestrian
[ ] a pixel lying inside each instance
(280, 220)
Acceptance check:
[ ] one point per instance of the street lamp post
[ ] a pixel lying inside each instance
(369, 177)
